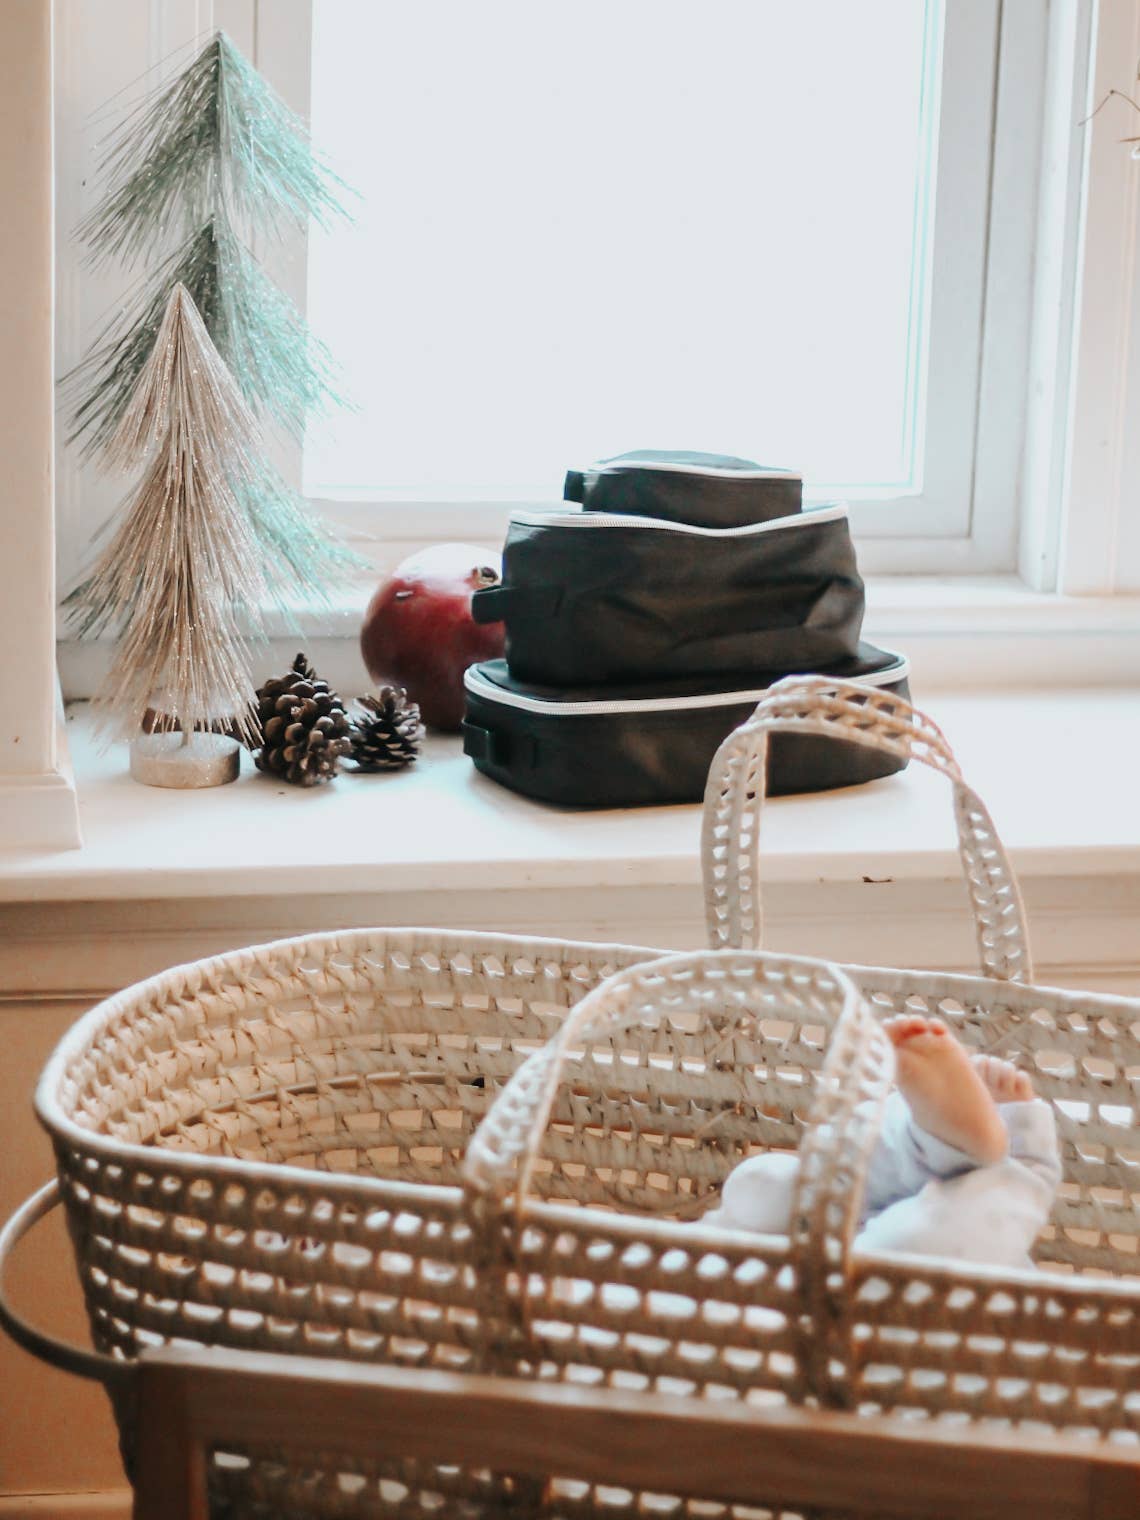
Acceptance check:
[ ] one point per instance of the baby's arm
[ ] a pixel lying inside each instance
(1033, 1144)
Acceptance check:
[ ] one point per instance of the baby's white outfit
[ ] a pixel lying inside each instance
(923, 1196)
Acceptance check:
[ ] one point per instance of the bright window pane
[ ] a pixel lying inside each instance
(616, 224)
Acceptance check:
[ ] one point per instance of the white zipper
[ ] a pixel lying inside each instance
(667, 467)
(479, 686)
(583, 519)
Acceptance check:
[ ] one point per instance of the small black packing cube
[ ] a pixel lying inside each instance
(710, 490)
(653, 743)
(589, 597)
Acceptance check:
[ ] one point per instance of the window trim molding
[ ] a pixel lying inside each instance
(38, 805)
(1097, 533)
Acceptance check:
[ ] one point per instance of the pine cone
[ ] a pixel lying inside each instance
(388, 733)
(304, 727)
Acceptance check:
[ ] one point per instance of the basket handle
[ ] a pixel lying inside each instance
(843, 1117)
(501, 1153)
(877, 720)
(57, 1353)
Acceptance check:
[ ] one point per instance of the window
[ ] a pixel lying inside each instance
(753, 227)
(969, 428)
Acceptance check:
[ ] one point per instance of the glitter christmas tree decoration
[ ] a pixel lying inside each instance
(180, 578)
(217, 136)
(282, 370)
(209, 161)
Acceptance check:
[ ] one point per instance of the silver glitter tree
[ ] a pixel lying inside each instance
(282, 369)
(214, 151)
(180, 578)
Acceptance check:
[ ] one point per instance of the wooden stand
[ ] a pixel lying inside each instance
(861, 1466)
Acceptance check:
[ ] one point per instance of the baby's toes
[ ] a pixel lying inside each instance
(1015, 1085)
(905, 1026)
(1005, 1082)
(913, 1029)
(1022, 1087)
(996, 1074)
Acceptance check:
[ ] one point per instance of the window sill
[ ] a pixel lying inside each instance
(1057, 770)
(866, 874)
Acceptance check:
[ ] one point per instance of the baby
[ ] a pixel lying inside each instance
(966, 1165)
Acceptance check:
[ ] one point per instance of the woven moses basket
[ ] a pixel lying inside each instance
(467, 1152)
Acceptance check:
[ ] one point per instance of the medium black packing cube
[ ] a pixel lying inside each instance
(711, 490)
(589, 597)
(653, 743)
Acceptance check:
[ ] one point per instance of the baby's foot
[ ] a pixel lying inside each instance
(1004, 1082)
(947, 1096)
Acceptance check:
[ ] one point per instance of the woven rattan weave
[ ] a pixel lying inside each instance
(471, 1152)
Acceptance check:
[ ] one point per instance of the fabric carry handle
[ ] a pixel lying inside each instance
(68, 1358)
(576, 484)
(877, 720)
(498, 746)
(491, 604)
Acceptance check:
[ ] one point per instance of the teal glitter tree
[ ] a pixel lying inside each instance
(208, 162)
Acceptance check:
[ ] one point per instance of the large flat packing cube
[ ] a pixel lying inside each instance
(638, 745)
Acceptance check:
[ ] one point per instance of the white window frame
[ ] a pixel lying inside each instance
(1084, 537)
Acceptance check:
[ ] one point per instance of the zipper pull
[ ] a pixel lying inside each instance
(579, 485)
